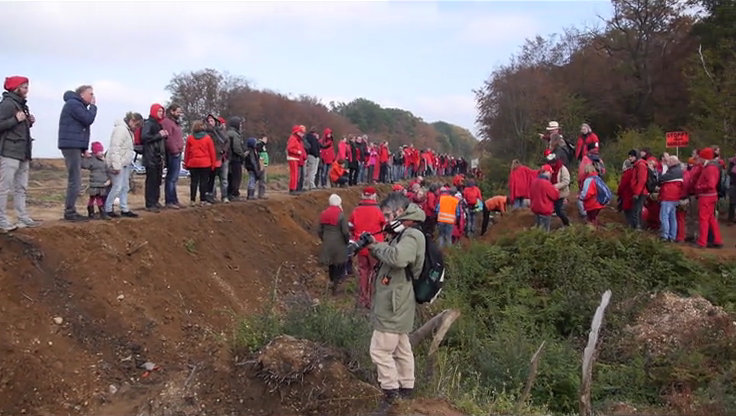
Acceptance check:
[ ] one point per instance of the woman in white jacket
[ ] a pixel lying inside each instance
(120, 156)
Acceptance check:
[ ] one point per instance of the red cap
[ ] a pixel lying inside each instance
(547, 152)
(97, 147)
(706, 153)
(221, 120)
(11, 83)
(546, 168)
(298, 128)
(369, 190)
(398, 187)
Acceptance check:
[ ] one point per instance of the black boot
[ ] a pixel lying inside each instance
(91, 212)
(406, 394)
(251, 194)
(103, 214)
(390, 397)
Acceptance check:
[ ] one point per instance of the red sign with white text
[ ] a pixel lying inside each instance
(677, 139)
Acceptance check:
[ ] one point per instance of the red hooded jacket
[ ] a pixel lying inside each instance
(639, 179)
(590, 198)
(327, 153)
(707, 184)
(472, 194)
(199, 153)
(520, 182)
(383, 155)
(295, 149)
(583, 142)
(367, 216)
(543, 196)
(624, 192)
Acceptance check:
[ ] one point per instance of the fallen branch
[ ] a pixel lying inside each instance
(441, 323)
(702, 60)
(589, 356)
(530, 379)
(136, 248)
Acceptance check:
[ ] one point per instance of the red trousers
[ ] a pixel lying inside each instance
(680, 215)
(293, 174)
(592, 216)
(707, 220)
(366, 277)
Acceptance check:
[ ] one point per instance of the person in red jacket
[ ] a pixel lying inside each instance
(472, 196)
(295, 156)
(670, 192)
(520, 181)
(638, 189)
(383, 159)
(625, 193)
(706, 189)
(589, 196)
(199, 159)
(366, 217)
(326, 156)
(586, 140)
(543, 195)
(430, 203)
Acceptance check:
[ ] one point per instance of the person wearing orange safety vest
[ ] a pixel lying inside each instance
(448, 212)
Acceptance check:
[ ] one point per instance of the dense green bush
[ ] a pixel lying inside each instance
(538, 286)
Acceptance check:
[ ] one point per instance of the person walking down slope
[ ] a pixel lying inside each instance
(401, 259)
(16, 144)
(334, 233)
(154, 152)
(561, 180)
(366, 217)
(589, 196)
(473, 197)
(199, 158)
(120, 155)
(98, 180)
(544, 195)
(520, 181)
(449, 213)
(76, 118)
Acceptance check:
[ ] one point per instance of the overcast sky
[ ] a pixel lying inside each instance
(425, 57)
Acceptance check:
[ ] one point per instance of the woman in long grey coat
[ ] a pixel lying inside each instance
(334, 233)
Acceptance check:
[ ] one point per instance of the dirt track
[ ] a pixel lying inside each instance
(165, 288)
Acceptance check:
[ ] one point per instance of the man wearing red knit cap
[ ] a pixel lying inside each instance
(15, 151)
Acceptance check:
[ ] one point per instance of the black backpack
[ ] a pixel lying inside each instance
(428, 285)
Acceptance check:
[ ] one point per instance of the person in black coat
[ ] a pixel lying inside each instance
(153, 136)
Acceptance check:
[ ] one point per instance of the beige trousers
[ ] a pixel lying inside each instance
(394, 360)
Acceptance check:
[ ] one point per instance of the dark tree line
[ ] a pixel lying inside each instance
(273, 114)
(655, 63)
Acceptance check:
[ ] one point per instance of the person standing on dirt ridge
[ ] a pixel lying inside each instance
(219, 136)
(120, 155)
(15, 151)
(335, 235)
(312, 146)
(75, 120)
(174, 147)
(264, 160)
(295, 154)
(237, 157)
(154, 151)
(394, 304)
(366, 217)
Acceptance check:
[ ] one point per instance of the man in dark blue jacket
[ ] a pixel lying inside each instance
(77, 116)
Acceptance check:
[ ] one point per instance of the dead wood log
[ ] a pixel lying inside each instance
(438, 325)
(530, 379)
(589, 356)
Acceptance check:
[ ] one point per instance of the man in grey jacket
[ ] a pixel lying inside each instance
(15, 151)
(394, 303)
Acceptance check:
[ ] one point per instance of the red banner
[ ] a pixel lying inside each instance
(677, 139)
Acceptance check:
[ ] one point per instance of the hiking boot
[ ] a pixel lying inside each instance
(153, 209)
(75, 217)
(27, 223)
(390, 397)
(103, 214)
(129, 214)
(91, 213)
(172, 206)
(113, 214)
(406, 394)
(159, 206)
(713, 245)
(251, 194)
(7, 227)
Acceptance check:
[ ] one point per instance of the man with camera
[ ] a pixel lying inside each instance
(366, 217)
(394, 303)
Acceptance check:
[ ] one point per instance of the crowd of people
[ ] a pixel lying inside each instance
(315, 162)
(676, 199)
(216, 154)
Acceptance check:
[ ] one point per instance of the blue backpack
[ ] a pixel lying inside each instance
(603, 193)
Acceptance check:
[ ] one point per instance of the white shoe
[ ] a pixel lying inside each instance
(7, 227)
(225, 201)
(27, 223)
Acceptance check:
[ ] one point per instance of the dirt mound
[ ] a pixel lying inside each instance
(312, 379)
(165, 289)
(671, 322)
